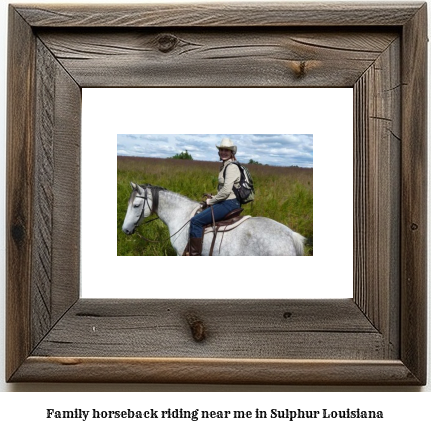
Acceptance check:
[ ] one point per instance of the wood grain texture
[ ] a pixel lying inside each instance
(215, 371)
(219, 15)
(19, 211)
(43, 191)
(66, 189)
(268, 329)
(378, 337)
(214, 57)
(55, 279)
(43, 195)
(413, 194)
(56, 193)
(377, 100)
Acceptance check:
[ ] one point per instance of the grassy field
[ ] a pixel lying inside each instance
(284, 194)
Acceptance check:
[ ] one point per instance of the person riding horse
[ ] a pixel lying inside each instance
(222, 203)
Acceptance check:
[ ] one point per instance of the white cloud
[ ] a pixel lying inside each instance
(280, 150)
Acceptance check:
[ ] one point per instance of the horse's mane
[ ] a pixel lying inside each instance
(155, 192)
(158, 188)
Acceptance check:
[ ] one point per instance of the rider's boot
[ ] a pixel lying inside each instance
(195, 246)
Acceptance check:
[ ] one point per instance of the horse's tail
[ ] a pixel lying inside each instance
(298, 242)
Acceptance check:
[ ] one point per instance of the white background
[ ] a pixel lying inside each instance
(403, 408)
(325, 113)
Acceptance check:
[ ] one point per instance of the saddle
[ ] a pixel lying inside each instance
(230, 221)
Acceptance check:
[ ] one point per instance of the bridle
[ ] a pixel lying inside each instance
(153, 210)
(155, 203)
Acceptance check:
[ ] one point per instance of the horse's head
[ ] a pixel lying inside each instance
(140, 206)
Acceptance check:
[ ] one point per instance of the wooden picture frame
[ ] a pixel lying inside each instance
(378, 337)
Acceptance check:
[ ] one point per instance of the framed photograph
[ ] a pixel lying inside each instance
(195, 170)
(377, 337)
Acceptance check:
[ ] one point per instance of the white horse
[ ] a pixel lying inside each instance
(257, 236)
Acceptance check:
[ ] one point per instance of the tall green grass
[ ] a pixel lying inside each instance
(284, 194)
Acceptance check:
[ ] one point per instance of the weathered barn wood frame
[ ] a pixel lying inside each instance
(378, 337)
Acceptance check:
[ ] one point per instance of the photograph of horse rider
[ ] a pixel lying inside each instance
(222, 203)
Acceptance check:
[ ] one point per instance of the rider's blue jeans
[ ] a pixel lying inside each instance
(198, 222)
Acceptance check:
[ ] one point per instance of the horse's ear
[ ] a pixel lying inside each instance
(133, 185)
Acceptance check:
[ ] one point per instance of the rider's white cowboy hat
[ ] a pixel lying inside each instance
(227, 144)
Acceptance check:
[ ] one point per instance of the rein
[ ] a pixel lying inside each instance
(162, 240)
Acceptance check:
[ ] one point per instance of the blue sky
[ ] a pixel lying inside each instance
(275, 150)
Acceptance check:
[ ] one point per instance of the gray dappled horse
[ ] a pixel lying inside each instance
(256, 236)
